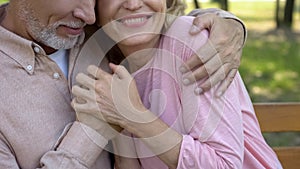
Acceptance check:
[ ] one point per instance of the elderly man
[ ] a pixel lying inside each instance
(39, 42)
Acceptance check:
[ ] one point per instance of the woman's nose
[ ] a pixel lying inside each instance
(132, 4)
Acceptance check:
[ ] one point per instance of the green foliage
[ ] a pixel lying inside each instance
(3, 1)
(270, 66)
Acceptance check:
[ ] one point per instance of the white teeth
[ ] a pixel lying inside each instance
(134, 20)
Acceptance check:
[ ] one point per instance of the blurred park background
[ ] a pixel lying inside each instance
(270, 64)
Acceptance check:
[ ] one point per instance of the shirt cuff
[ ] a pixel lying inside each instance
(83, 143)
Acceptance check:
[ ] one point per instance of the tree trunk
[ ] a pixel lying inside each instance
(277, 17)
(196, 4)
(224, 4)
(288, 13)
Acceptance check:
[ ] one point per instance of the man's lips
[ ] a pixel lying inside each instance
(72, 30)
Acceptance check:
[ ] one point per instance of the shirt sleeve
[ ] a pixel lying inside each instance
(78, 148)
(221, 13)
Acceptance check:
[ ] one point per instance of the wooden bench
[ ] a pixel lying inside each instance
(281, 117)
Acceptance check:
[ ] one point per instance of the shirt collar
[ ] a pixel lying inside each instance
(21, 50)
(24, 51)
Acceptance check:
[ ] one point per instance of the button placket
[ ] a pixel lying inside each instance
(36, 49)
(29, 67)
(56, 75)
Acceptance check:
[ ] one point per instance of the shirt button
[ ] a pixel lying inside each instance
(36, 49)
(29, 67)
(56, 75)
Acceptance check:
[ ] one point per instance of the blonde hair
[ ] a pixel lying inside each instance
(174, 8)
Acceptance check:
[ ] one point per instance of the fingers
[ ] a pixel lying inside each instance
(82, 93)
(85, 80)
(96, 72)
(226, 82)
(119, 70)
(201, 22)
(78, 107)
(204, 54)
(203, 71)
(221, 75)
(213, 79)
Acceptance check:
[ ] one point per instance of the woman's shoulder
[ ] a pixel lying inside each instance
(180, 30)
(178, 39)
(181, 24)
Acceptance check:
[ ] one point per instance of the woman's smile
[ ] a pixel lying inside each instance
(136, 20)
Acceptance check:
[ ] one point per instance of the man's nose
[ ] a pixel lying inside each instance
(85, 11)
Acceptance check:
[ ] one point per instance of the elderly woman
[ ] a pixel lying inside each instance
(166, 124)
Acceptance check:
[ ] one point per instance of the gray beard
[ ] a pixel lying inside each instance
(47, 35)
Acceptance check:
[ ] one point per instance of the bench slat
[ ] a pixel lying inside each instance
(278, 117)
(281, 117)
(288, 156)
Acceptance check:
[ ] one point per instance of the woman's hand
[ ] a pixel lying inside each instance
(112, 98)
(219, 59)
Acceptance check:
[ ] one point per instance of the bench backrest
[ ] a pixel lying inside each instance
(281, 117)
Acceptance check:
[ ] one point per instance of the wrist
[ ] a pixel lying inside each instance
(237, 21)
(95, 136)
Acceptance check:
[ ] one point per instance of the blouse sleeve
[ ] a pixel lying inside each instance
(214, 130)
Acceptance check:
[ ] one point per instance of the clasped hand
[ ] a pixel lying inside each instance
(108, 99)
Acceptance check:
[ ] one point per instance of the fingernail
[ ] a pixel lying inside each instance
(198, 90)
(182, 69)
(186, 81)
(194, 29)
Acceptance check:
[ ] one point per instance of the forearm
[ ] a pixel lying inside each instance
(125, 152)
(159, 137)
(79, 147)
(74, 149)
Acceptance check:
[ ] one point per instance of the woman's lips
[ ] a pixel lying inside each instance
(135, 20)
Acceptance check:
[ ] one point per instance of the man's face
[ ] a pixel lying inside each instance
(56, 23)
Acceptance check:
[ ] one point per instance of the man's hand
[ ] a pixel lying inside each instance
(218, 59)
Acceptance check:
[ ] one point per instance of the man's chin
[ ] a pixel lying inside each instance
(62, 44)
